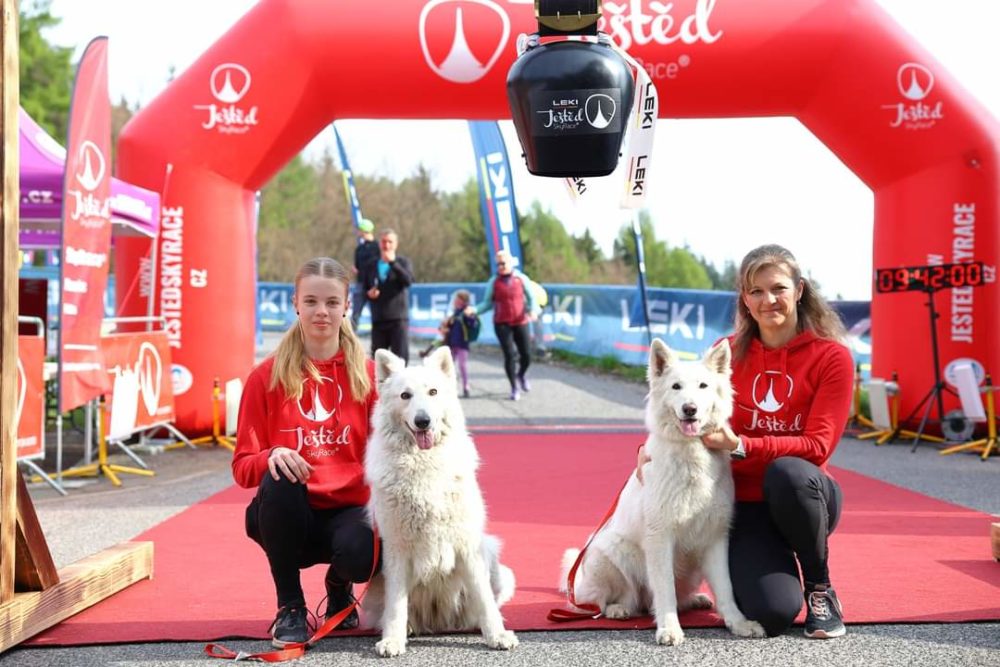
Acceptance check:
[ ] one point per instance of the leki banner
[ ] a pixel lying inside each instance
(86, 232)
(496, 192)
(30, 397)
(142, 392)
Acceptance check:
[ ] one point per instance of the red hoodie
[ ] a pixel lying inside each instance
(326, 426)
(790, 401)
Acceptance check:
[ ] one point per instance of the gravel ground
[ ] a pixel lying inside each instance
(96, 515)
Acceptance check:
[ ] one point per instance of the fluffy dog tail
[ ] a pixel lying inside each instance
(502, 579)
(569, 557)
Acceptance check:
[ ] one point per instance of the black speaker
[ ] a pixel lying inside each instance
(570, 101)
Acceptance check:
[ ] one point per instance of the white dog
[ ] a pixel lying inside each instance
(440, 571)
(672, 530)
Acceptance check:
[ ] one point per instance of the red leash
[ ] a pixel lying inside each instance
(297, 650)
(590, 610)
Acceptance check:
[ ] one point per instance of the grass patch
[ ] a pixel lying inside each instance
(607, 363)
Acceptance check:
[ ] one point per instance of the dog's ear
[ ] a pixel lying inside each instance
(661, 358)
(386, 363)
(442, 360)
(719, 357)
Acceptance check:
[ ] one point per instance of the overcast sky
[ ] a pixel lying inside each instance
(756, 179)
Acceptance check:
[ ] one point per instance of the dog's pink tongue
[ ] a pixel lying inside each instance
(689, 428)
(425, 439)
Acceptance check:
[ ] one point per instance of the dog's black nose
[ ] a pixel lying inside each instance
(422, 420)
(689, 409)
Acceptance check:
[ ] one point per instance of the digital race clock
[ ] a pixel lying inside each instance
(929, 278)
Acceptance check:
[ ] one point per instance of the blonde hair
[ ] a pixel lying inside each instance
(813, 312)
(290, 361)
(464, 295)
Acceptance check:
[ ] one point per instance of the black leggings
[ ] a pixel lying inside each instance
(510, 335)
(294, 536)
(770, 540)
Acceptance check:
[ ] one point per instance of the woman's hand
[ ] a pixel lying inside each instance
(641, 459)
(469, 311)
(288, 462)
(722, 439)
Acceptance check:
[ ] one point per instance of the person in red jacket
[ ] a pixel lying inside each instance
(793, 377)
(304, 422)
(510, 298)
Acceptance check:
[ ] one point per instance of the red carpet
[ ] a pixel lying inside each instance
(897, 556)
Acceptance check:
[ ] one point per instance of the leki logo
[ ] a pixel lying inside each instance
(230, 82)
(314, 410)
(91, 165)
(451, 18)
(600, 109)
(914, 81)
(771, 390)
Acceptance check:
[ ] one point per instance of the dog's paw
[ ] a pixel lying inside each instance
(390, 647)
(747, 628)
(670, 634)
(504, 640)
(616, 611)
(696, 601)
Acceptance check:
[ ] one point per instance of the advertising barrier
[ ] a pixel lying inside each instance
(31, 396)
(592, 320)
(142, 395)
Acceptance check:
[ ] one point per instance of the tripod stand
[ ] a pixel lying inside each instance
(934, 396)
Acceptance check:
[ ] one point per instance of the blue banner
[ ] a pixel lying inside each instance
(496, 192)
(349, 191)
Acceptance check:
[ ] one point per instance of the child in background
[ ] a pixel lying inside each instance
(457, 332)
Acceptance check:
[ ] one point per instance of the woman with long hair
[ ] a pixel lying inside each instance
(303, 426)
(793, 375)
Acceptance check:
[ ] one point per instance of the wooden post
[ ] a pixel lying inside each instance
(53, 596)
(9, 264)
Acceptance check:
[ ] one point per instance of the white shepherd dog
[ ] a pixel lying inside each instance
(671, 531)
(440, 571)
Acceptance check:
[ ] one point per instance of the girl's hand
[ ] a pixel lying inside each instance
(722, 439)
(288, 462)
(641, 459)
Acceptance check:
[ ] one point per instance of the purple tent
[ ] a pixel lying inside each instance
(134, 210)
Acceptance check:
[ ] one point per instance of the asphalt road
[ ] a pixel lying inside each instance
(96, 515)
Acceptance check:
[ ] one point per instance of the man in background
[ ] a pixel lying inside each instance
(387, 284)
(366, 253)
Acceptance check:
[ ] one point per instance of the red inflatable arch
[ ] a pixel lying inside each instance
(880, 102)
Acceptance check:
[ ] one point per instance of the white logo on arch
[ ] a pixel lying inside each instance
(92, 165)
(230, 82)
(461, 65)
(915, 81)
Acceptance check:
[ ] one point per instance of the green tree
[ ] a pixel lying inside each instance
(46, 70)
(464, 220)
(665, 266)
(550, 253)
(724, 280)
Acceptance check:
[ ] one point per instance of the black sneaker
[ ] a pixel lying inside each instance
(824, 615)
(291, 626)
(338, 597)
